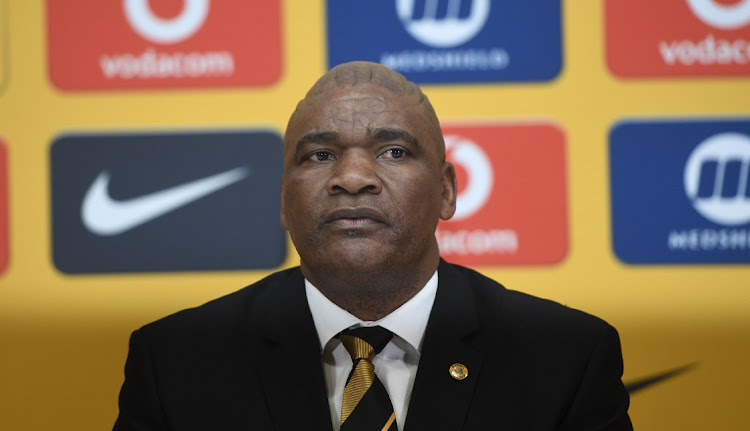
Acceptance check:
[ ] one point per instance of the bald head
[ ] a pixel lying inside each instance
(364, 72)
(356, 75)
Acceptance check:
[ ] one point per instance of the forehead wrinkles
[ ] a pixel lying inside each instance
(366, 105)
(364, 97)
(354, 112)
(330, 109)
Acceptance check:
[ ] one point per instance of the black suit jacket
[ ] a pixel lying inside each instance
(252, 361)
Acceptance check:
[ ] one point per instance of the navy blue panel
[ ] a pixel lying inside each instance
(512, 41)
(662, 212)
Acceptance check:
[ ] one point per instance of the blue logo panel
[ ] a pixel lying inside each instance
(450, 41)
(173, 201)
(681, 191)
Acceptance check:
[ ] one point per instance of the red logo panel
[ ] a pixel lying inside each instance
(511, 195)
(163, 43)
(3, 206)
(678, 37)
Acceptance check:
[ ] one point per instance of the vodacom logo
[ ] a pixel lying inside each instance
(727, 17)
(717, 178)
(479, 174)
(443, 23)
(159, 30)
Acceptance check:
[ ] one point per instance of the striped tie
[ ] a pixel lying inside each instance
(366, 405)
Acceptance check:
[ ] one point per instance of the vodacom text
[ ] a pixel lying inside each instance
(710, 50)
(153, 64)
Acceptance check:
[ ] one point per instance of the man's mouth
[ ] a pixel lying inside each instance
(354, 218)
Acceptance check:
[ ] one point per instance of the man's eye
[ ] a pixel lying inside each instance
(395, 153)
(321, 156)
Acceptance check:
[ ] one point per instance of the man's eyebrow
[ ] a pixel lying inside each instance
(392, 134)
(315, 138)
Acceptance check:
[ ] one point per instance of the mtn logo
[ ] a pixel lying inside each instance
(717, 178)
(681, 191)
(443, 24)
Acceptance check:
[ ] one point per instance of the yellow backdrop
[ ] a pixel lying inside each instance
(63, 339)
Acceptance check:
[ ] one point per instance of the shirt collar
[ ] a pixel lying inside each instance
(408, 321)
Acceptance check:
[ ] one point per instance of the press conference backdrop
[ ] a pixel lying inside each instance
(602, 150)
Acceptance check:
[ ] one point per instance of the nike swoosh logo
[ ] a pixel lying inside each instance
(645, 382)
(105, 216)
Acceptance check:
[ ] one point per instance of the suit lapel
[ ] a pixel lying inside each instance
(289, 362)
(439, 401)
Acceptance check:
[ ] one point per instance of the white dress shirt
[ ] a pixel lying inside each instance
(395, 366)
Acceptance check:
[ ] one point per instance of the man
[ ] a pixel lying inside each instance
(365, 182)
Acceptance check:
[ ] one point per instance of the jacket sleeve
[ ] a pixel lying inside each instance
(601, 400)
(140, 407)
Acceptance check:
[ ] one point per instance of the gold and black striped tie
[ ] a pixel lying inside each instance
(366, 405)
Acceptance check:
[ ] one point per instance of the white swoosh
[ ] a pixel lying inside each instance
(105, 216)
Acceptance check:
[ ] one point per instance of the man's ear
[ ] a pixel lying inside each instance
(449, 191)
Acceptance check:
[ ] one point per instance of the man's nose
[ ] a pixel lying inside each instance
(355, 173)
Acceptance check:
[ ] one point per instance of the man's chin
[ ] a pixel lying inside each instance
(358, 252)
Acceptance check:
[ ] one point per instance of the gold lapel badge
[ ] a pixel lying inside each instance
(458, 371)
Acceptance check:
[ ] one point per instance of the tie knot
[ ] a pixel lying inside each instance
(365, 342)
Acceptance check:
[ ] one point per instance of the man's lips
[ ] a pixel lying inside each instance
(354, 217)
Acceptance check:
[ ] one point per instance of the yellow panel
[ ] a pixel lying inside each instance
(3, 44)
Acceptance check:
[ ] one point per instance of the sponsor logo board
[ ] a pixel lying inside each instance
(681, 191)
(446, 41)
(163, 43)
(678, 37)
(511, 205)
(182, 201)
(4, 211)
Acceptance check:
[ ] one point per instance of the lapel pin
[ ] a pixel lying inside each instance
(458, 371)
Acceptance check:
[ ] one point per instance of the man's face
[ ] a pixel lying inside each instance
(364, 181)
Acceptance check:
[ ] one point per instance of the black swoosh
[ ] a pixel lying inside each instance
(643, 383)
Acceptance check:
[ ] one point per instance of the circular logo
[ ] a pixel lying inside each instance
(713, 204)
(151, 27)
(727, 17)
(452, 29)
(479, 175)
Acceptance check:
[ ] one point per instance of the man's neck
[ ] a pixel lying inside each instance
(374, 294)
